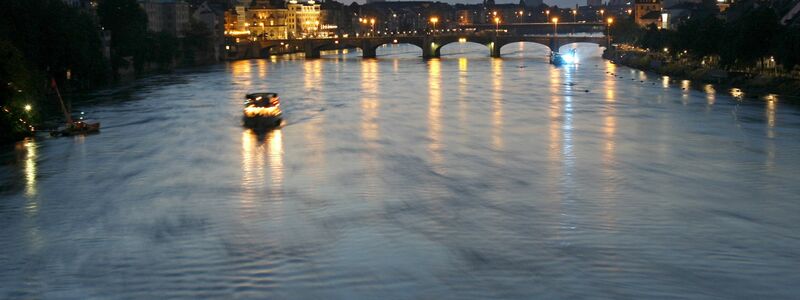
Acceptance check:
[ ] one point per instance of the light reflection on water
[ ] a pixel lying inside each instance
(464, 177)
(435, 114)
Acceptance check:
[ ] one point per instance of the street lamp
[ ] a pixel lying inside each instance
(574, 16)
(434, 20)
(555, 25)
(608, 28)
(497, 25)
(555, 30)
(547, 12)
(602, 11)
(28, 107)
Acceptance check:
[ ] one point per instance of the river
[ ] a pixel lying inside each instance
(464, 177)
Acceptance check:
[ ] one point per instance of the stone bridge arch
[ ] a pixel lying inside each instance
(538, 43)
(333, 45)
(435, 45)
(561, 42)
(373, 48)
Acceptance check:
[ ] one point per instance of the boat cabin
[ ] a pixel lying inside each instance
(262, 100)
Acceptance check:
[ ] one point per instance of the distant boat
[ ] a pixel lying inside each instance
(72, 127)
(570, 57)
(262, 111)
(556, 59)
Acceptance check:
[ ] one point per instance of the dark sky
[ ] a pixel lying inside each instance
(560, 3)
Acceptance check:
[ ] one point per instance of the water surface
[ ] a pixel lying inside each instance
(464, 177)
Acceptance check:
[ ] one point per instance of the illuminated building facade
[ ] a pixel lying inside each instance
(171, 16)
(268, 22)
(647, 12)
(303, 18)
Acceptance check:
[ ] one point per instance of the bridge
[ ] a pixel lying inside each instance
(430, 45)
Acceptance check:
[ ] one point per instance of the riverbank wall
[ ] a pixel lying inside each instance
(748, 84)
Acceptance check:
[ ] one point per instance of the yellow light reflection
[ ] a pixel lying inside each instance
(665, 82)
(610, 121)
(770, 114)
(275, 153)
(315, 138)
(737, 94)
(252, 170)
(463, 86)
(262, 69)
(241, 73)
(685, 86)
(369, 102)
(554, 130)
(497, 103)
(608, 153)
(711, 94)
(26, 151)
(462, 65)
(770, 143)
(611, 82)
(435, 113)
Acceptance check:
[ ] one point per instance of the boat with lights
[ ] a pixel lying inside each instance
(262, 111)
(559, 59)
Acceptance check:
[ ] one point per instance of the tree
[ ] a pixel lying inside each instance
(128, 25)
(54, 38)
(197, 42)
(656, 39)
(626, 31)
(702, 36)
(750, 38)
(787, 48)
(17, 89)
(163, 48)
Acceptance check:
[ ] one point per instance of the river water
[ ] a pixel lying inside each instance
(464, 177)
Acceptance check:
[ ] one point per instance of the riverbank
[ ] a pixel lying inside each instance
(741, 84)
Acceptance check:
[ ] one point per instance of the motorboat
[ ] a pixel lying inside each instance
(556, 59)
(262, 111)
(77, 128)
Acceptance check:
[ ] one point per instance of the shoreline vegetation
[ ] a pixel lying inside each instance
(749, 51)
(741, 85)
(46, 43)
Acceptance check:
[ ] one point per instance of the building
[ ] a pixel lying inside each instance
(646, 11)
(207, 16)
(303, 18)
(723, 5)
(171, 16)
(594, 3)
(267, 20)
(619, 3)
(468, 14)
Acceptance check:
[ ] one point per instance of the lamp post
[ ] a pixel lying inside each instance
(608, 29)
(547, 12)
(602, 11)
(433, 21)
(372, 25)
(555, 26)
(574, 16)
(555, 33)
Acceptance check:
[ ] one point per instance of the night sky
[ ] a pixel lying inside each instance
(560, 3)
